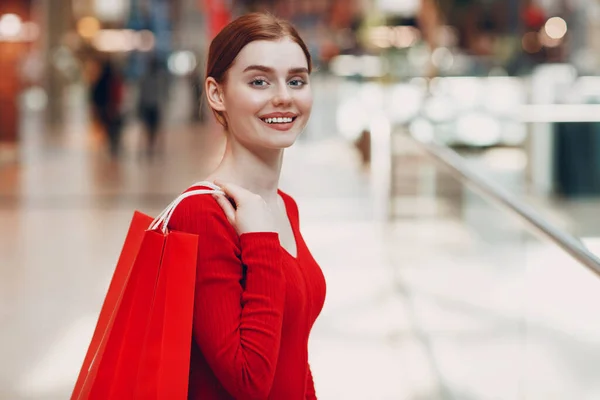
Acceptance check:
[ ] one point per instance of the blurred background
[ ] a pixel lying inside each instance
(448, 183)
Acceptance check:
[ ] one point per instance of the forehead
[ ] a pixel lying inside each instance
(282, 55)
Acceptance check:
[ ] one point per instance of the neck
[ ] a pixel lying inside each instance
(255, 170)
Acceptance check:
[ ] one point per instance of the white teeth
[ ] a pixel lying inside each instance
(279, 120)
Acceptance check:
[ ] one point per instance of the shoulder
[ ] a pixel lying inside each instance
(199, 213)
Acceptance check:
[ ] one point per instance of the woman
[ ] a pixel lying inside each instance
(258, 289)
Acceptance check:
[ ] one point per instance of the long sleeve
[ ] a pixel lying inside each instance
(310, 385)
(238, 329)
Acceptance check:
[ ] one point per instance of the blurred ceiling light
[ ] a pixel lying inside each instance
(345, 65)
(478, 129)
(87, 27)
(405, 36)
(442, 58)
(531, 43)
(380, 36)
(111, 10)
(145, 40)
(182, 62)
(503, 95)
(401, 7)
(397, 36)
(467, 92)
(440, 108)
(418, 56)
(405, 102)
(422, 130)
(372, 66)
(10, 25)
(35, 98)
(123, 40)
(556, 28)
(114, 40)
(365, 65)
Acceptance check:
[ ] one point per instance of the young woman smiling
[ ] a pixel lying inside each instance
(258, 289)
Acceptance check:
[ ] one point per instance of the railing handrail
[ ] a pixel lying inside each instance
(457, 166)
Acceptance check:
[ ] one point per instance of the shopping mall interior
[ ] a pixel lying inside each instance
(448, 183)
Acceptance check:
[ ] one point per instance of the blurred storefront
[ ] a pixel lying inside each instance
(468, 73)
(16, 34)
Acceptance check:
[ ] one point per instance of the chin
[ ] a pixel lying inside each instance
(280, 140)
(282, 143)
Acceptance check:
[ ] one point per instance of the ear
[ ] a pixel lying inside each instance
(214, 94)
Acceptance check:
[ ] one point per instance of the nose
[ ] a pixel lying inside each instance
(282, 97)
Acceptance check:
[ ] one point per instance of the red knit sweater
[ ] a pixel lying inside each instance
(255, 305)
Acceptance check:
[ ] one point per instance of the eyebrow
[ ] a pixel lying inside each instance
(266, 69)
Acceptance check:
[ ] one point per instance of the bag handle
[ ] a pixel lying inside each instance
(162, 220)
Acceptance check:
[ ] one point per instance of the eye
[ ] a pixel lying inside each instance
(258, 82)
(297, 83)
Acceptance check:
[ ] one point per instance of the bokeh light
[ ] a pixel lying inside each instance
(10, 25)
(87, 27)
(556, 28)
(182, 62)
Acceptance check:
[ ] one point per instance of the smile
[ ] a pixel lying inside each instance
(278, 120)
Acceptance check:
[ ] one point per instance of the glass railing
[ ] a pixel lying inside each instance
(502, 305)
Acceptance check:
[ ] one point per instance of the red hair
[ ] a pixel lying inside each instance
(243, 30)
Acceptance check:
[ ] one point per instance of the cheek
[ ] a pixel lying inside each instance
(304, 101)
(246, 101)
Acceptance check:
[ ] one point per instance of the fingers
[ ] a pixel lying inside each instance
(235, 192)
(226, 207)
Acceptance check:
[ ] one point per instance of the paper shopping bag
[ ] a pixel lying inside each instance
(148, 352)
(129, 252)
(115, 368)
(142, 343)
(165, 362)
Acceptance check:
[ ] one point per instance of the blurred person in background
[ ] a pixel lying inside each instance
(107, 98)
(258, 288)
(153, 91)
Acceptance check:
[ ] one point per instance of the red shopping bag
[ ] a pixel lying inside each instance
(146, 351)
(142, 343)
(137, 229)
(165, 364)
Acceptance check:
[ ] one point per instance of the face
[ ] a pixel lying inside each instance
(266, 97)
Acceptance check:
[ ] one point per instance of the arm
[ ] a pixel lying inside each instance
(310, 385)
(237, 330)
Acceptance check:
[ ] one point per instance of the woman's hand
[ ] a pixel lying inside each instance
(249, 213)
